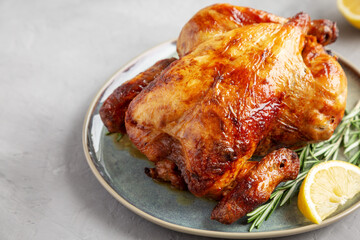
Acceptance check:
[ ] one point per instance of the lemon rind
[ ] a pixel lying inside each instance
(310, 179)
(346, 11)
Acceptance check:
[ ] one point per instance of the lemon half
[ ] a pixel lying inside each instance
(351, 11)
(327, 186)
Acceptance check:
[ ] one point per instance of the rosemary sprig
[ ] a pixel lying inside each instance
(118, 135)
(347, 135)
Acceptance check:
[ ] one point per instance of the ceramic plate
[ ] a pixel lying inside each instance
(120, 169)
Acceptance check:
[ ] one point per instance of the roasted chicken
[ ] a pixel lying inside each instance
(246, 83)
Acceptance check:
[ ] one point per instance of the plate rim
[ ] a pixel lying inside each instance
(176, 227)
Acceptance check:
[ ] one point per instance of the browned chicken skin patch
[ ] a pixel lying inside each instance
(113, 110)
(247, 82)
(256, 187)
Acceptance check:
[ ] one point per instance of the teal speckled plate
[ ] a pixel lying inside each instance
(120, 169)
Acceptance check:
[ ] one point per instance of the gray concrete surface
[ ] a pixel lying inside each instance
(54, 57)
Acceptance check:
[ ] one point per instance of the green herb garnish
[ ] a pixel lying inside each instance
(119, 136)
(347, 135)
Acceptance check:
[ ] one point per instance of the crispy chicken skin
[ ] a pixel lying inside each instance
(216, 20)
(167, 171)
(315, 105)
(257, 185)
(219, 18)
(247, 82)
(113, 110)
(323, 100)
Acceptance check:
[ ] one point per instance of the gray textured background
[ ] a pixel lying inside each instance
(54, 57)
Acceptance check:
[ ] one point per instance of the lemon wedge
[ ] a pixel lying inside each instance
(351, 11)
(327, 186)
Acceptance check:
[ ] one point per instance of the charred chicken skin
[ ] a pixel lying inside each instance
(246, 83)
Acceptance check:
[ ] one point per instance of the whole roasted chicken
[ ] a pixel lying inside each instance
(246, 83)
